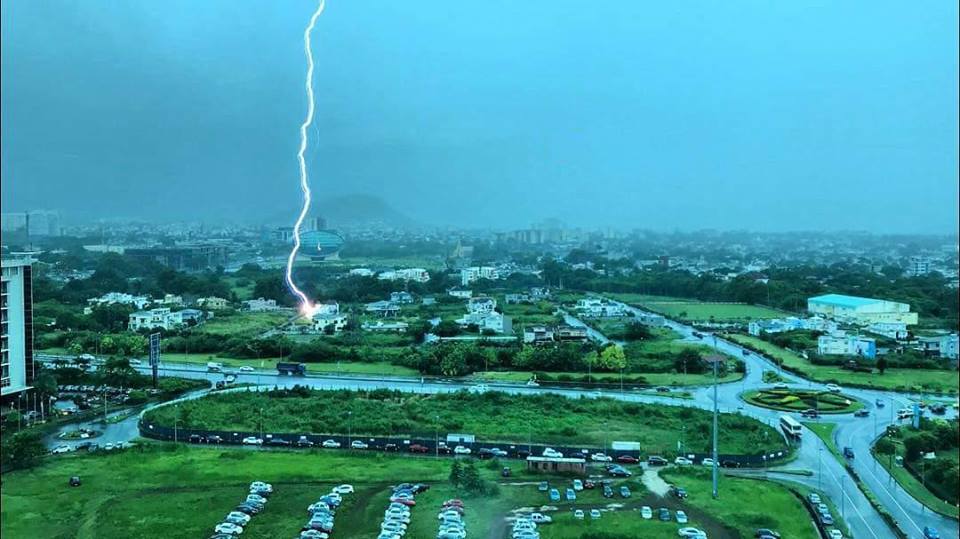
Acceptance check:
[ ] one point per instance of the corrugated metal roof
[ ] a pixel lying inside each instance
(844, 301)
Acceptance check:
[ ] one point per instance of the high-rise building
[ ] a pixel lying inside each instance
(918, 266)
(16, 312)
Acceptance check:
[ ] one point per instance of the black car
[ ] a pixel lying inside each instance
(619, 471)
(247, 508)
(304, 442)
(391, 447)
(863, 412)
(678, 492)
(278, 441)
(607, 491)
(656, 461)
(522, 453)
(196, 439)
(214, 439)
(663, 389)
(75, 481)
(729, 464)
(484, 453)
(848, 452)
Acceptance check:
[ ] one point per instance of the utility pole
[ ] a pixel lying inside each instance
(820, 466)
(436, 436)
(350, 429)
(716, 493)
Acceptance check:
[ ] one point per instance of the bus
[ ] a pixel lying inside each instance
(790, 426)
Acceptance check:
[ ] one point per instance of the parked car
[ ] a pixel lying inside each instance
(729, 464)
(664, 514)
(359, 444)
(543, 486)
(278, 441)
(835, 533)
(624, 491)
(627, 459)
(506, 472)
(607, 491)
(214, 439)
(391, 448)
(461, 450)
(540, 518)
(577, 485)
(74, 481)
(578, 514)
(707, 462)
(646, 512)
(681, 517)
(766, 532)
(619, 471)
(601, 457)
(848, 452)
(833, 388)
(343, 489)
(589, 484)
(484, 453)
(252, 440)
(552, 453)
(331, 444)
(656, 461)
(554, 495)
(444, 449)
(863, 412)
(780, 385)
(692, 533)
(226, 527)
(682, 461)
(571, 495)
(417, 448)
(303, 441)
(814, 498)
(594, 514)
(678, 492)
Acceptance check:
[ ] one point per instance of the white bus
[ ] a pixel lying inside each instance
(791, 426)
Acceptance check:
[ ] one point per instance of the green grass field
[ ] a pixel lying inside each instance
(182, 492)
(491, 416)
(243, 324)
(716, 312)
(670, 379)
(915, 488)
(824, 431)
(893, 379)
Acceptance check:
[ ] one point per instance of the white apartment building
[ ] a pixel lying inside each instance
(893, 330)
(161, 318)
(418, 275)
(481, 305)
(475, 273)
(111, 298)
(16, 341)
(918, 266)
(488, 321)
(839, 343)
(597, 307)
(323, 321)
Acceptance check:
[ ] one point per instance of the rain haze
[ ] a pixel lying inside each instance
(745, 115)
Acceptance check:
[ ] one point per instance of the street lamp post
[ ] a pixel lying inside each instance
(350, 429)
(436, 436)
(715, 425)
(176, 415)
(820, 466)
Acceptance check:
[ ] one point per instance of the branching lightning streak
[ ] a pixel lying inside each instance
(307, 307)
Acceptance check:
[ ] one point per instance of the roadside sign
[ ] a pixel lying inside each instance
(154, 355)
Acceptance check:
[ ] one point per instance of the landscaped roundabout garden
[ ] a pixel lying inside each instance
(799, 400)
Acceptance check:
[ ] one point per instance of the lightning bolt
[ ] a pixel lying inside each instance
(307, 307)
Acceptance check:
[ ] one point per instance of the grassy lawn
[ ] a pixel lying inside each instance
(716, 312)
(744, 504)
(893, 379)
(182, 492)
(824, 431)
(798, 400)
(243, 324)
(914, 487)
(491, 416)
(344, 367)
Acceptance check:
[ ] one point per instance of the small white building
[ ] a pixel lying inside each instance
(598, 307)
(487, 321)
(418, 275)
(260, 305)
(213, 303)
(481, 305)
(460, 293)
(892, 330)
(361, 272)
(398, 327)
(160, 318)
(401, 298)
(839, 343)
(323, 321)
(171, 300)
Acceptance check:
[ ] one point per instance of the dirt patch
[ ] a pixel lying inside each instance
(654, 483)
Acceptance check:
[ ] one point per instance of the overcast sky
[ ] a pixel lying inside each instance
(759, 115)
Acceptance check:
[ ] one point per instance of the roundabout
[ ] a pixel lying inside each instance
(802, 400)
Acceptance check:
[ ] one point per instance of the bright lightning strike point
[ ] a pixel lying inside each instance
(307, 307)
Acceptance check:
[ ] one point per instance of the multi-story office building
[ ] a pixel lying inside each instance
(16, 313)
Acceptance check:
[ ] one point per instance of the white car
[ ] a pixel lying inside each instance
(357, 444)
(260, 485)
(252, 440)
(780, 385)
(343, 489)
(833, 388)
(707, 462)
(226, 527)
(246, 368)
(600, 457)
(540, 518)
(692, 533)
(578, 514)
(594, 514)
(835, 534)
(61, 449)
(577, 485)
(331, 444)
(681, 517)
(646, 512)
(256, 498)
(237, 515)
(461, 450)
(682, 461)
(552, 453)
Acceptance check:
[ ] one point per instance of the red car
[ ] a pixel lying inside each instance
(405, 501)
(627, 459)
(417, 448)
(456, 502)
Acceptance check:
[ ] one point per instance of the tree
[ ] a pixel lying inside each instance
(919, 443)
(117, 372)
(885, 446)
(470, 480)
(612, 358)
(636, 331)
(456, 473)
(881, 364)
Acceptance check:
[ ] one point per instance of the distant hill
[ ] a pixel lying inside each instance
(353, 210)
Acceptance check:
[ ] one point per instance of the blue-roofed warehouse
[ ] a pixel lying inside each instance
(861, 311)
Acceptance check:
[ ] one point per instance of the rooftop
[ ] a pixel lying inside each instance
(844, 301)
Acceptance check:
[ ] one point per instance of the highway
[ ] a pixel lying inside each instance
(829, 475)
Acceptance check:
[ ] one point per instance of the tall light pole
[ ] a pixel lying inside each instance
(350, 429)
(820, 466)
(716, 408)
(436, 436)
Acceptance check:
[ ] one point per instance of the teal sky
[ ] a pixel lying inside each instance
(759, 115)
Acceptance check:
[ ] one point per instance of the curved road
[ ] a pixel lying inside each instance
(828, 475)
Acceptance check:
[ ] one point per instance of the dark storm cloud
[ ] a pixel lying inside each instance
(799, 115)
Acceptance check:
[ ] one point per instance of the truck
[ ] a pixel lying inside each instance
(292, 369)
(214, 367)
